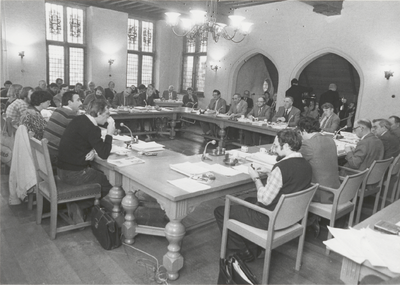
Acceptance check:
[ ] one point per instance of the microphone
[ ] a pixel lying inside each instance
(133, 140)
(337, 132)
(204, 156)
(219, 110)
(145, 102)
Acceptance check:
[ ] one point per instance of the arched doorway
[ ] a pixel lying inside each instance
(257, 74)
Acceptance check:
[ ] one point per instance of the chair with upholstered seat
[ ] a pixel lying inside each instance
(344, 200)
(57, 192)
(392, 181)
(283, 225)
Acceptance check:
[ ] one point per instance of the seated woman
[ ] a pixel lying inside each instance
(18, 106)
(310, 109)
(98, 95)
(32, 118)
(190, 99)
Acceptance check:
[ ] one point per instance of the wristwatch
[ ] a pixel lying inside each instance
(256, 178)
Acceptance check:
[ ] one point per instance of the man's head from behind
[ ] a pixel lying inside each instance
(308, 125)
(379, 126)
(72, 100)
(98, 109)
(362, 127)
(288, 102)
(395, 122)
(286, 142)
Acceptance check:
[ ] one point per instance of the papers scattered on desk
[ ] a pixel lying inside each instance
(223, 170)
(366, 244)
(189, 185)
(123, 138)
(238, 154)
(188, 168)
(147, 146)
(118, 149)
(125, 161)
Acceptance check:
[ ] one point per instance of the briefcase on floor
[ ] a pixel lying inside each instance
(233, 270)
(105, 229)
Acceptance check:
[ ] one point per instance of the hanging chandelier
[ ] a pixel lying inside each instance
(201, 23)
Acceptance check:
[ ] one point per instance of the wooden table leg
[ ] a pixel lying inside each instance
(172, 132)
(222, 134)
(173, 260)
(116, 194)
(130, 203)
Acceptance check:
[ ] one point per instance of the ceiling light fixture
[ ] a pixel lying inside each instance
(201, 23)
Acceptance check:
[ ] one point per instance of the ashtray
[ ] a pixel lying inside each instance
(231, 161)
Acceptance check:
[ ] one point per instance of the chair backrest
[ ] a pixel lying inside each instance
(349, 187)
(291, 208)
(378, 170)
(41, 159)
(395, 167)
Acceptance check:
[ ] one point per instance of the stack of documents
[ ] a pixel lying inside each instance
(147, 146)
(378, 248)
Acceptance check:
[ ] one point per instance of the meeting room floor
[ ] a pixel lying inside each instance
(29, 256)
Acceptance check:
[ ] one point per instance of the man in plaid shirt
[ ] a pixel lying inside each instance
(291, 173)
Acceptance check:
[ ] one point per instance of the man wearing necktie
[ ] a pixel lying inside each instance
(261, 112)
(170, 94)
(329, 121)
(217, 105)
(287, 113)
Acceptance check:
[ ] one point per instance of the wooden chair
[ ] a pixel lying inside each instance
(283, 225)
(344, 200)
(392, 179)
(55, 191)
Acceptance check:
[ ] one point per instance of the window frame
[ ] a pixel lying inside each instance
(140, 53)
(66, 45)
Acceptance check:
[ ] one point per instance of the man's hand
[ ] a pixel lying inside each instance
(90, 155)
(252, 172)
(281, 119)
(348, 148)
(111, 126)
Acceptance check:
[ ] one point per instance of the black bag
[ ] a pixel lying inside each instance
(105, 229)
(233, 270)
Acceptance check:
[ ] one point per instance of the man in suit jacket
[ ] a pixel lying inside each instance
(247, 98)
(391, 145)
(170, 94)
(261, 111)
(395, 126)
(125, 98)
(368, 149)
(287, 113)
(238, 107)
(216, 105)
(330, 96)
(329, 121)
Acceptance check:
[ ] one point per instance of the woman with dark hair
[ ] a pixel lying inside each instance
(98, 96)
(32, 118)
(310, 109)
(18, 106)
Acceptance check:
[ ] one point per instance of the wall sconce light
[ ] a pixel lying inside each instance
(388, 74)
(214, 67)
(111, 61)
(21, 54)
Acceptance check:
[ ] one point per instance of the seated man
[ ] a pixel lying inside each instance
(190, 99)
(217, 105)
(58, 98)
(261, 111)
(170, 94)
(368, 149)
(110, 92)
(395, 126)
(247, 98)
(391, 145)
(329, 121)
(146, 98)
(287, 113)
(292, 173)
(238, 107)
(124, 98)
(81, 139)
(59, 120)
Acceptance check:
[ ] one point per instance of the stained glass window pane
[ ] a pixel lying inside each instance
(132, 69)
(187, 72)
(147, 36)
(201, 73)
(76, 61)
(54, 22)
(56, 62)
(133, 34)
(75, 25)
(147, 69)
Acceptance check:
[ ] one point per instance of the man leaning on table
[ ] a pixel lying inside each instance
(124, 98)
(368, 149)
(81, 139)
(292, 173)
(287, 113)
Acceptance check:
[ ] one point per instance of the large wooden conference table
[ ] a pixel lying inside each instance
(175, 114)
(152, 178)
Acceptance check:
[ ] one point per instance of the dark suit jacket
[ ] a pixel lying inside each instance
(119, 100)
(331, 97)
(332, 123)
(249, 102)
(294, 114)
(368, 149)
(165, 95)
(221, 105)
(187, 100)
(238, 109)
(320, 151)
(260, 113)
(296, 92)
(396, 132)
(391, 145)
(140, 100)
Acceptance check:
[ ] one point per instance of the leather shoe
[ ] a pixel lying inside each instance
(246, 256)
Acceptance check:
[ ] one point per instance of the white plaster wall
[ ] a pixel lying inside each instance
(290, 34)
(23, 32)
(106, 39)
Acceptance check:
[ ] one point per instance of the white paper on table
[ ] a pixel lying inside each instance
(223, 170)
(118, 149)
(243, 168)
(189, 169)
(237, 153)
(123, 138)
(342, 248)
(189, 185)
(125, 161)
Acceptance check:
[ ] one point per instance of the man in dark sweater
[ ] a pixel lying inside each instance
(80, 140)
(292, 173)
